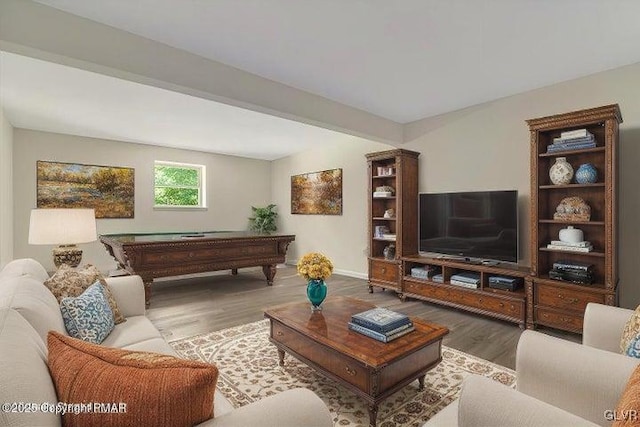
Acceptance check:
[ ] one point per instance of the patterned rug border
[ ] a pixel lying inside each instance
(249, 372)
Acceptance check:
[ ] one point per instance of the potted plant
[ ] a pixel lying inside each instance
(263, 220)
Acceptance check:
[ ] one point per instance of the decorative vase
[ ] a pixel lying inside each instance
(571, 235)
(389, 252)
(586, 174)
(561, 172)
(316, 292)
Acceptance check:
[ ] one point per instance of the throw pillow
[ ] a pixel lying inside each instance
(71, 282)
(631, 331)
(88, 316)
(627, 409)
(146, 389)
(634, 348)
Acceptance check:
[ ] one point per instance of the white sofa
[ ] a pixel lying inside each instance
(559, 383)
(28, 311)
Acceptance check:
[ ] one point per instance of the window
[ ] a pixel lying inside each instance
(179, 185)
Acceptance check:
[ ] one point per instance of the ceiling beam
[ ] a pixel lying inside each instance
(42, 32)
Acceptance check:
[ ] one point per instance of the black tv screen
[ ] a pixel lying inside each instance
(479, 225)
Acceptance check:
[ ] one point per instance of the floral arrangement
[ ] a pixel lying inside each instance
(315, 265)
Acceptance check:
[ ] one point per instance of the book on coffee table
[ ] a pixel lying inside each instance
(384, 337)
(380, 319)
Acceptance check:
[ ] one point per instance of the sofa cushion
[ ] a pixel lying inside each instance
(88, 316)
(71, 282)
(34, 302)
(155, 389)
(630, 333)
(24, 376)
(136, 329)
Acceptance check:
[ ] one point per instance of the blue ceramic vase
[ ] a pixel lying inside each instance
(586, 174)
(316, 292)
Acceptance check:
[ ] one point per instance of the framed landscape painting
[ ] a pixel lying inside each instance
(107, 189)
(317, 193)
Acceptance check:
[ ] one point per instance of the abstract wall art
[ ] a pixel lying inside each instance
(317, 193)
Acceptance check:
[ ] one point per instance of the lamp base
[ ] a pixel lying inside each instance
(67, 254)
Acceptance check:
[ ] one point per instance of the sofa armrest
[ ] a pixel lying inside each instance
(577, 378)
(297, 407)
(484, 402)
(128, 292)
(603, 326)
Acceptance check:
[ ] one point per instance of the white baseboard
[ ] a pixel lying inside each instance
(348, 273)
(354, 274)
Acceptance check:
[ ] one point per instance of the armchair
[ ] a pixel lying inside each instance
(559, 383)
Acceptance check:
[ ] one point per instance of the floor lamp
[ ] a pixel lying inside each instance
(63, 227)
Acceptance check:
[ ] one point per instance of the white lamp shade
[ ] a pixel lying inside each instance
(62, 226)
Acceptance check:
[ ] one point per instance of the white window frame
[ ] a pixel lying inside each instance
(202, 187)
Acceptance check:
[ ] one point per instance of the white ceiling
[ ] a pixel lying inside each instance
(402, 60)
(50, 97)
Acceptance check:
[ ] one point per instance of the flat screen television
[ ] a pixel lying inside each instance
(478, 225)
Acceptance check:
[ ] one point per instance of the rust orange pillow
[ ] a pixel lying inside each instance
(128, 388)
(627, 410)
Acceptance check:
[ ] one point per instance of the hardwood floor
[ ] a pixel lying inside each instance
(183, 307)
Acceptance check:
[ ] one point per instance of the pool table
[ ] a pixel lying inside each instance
(153, 255)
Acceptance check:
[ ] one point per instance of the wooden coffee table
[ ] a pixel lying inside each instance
(371, 369)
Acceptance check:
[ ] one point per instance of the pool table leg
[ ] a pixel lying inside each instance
(269, 272)
(234, 271)
(147, 291)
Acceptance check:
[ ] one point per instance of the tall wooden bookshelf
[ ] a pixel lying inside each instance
(397, 169)
(561, 304)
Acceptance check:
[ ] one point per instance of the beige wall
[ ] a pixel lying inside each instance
(487, 147)
(233, 185)
(343, 238)
(6, 190)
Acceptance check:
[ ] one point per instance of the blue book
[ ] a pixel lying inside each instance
(380, 319)
(563, 147)
(377, 335)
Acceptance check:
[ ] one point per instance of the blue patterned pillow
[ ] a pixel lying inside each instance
(88, 316)
(633, 349)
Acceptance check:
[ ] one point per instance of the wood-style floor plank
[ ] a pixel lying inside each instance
(188, 306)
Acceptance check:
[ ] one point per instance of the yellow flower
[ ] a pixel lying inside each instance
(314, 265)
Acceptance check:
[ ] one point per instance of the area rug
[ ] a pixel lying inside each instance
(249, 371)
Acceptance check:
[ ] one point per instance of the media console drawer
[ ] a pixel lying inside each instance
(560, 297)
(383, 271)
(561, 320)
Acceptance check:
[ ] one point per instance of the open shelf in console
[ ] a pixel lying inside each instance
(485, 298)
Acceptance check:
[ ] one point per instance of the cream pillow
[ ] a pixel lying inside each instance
(631, 332)
(71, 282)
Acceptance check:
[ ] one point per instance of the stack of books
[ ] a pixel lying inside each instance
(572, 140)
(382, 194)
(466, 279)
(572, 271)
(381, 324)
(425, 272)
(558, 245)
